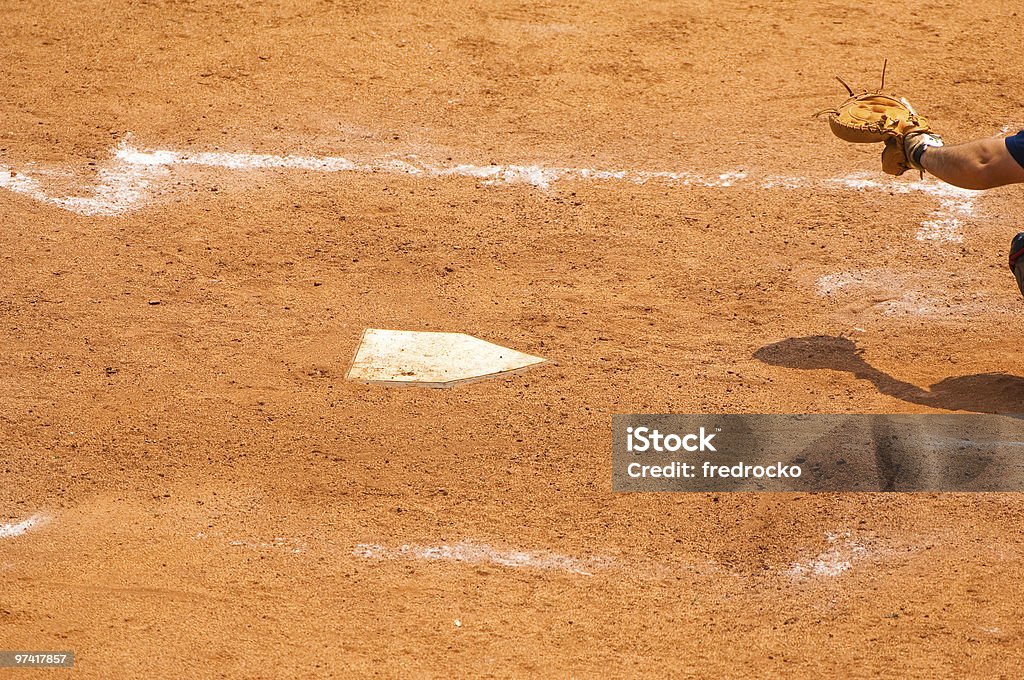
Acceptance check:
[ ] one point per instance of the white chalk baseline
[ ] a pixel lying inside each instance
(130, 178)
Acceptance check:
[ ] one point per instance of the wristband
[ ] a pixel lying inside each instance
(921, 144)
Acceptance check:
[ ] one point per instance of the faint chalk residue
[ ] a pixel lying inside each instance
(290, 545)
(945, 223)
(832, 284)
(912, 293)
(471, 552)
(13, 530)
(843, 552)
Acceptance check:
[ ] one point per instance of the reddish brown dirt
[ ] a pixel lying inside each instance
(208, 472)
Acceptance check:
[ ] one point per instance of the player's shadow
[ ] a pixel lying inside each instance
(982, 392)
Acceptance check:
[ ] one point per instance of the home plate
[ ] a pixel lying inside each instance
(432, 359)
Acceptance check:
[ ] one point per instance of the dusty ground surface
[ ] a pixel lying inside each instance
(213, 499)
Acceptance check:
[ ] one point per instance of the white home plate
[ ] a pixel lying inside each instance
(432, 359)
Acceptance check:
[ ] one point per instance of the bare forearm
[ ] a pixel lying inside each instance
(981, 164)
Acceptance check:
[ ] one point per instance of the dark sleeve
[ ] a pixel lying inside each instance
(1016, 146)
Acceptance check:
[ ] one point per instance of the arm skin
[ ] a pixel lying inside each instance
(982, 164)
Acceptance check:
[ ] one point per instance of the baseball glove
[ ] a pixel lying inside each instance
(869, 117)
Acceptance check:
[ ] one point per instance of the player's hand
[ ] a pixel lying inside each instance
(902, 153)
(894, 160)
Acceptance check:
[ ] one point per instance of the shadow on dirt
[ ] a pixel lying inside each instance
(981, 393)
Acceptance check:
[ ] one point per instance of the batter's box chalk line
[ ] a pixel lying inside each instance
(844, 551)
(15, 529)
(471, 552)
(132, 176)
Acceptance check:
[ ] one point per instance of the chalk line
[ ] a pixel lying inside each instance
(843, 552)
(539, 176)
(133, 175)
(14, 530)
(471, 552)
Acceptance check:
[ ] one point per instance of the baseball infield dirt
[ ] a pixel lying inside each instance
(635, 191)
